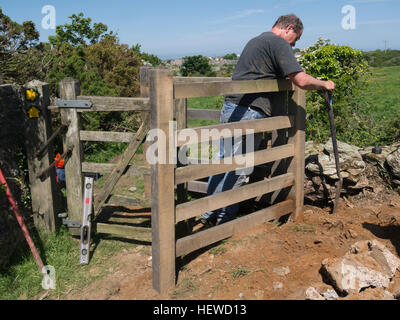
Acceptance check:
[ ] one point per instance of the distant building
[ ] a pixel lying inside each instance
(177, 62)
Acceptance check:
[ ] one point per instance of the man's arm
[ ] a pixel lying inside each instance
(307, 82)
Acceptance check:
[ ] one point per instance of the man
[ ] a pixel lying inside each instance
(268, 56)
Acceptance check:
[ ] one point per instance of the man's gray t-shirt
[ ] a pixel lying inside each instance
(267, 56)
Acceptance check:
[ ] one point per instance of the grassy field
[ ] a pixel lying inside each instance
(383, 93)
(380, 104)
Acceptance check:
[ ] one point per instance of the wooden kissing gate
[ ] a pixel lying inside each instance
(288, 147)
(164, 100)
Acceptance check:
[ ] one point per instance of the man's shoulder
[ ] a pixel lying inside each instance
(268, 35)
(271, 39)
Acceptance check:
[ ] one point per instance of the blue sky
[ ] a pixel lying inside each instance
(172, 29)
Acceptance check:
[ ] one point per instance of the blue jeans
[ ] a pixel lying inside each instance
(231, 147)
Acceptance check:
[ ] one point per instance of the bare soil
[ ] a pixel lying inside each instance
(267, 262)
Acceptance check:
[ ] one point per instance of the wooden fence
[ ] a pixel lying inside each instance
(164, 100)
(76, 168)
(167, 103)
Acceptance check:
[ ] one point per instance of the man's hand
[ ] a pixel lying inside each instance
(329, 85)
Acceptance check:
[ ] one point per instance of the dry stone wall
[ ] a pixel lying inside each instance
(11, 155)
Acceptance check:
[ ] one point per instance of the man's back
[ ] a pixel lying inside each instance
(267, 56)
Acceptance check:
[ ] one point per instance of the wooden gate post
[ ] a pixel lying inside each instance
(162, 182)
(144, 93)
(180, 114)
(297, 136)
(69, 90)
(44, 193)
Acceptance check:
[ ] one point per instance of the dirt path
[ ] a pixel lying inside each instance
(266, 262)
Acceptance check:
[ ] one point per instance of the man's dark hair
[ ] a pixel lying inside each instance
(284, 21)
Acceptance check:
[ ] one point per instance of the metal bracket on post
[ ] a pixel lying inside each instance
(86, 226)
(78, 104)
(67, 222)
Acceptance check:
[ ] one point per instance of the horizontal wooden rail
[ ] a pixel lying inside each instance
(123, 230)
(216, 88)
(202, 239)
(226, 130)
(197, 186)
(115, 104)
(194, 208)
(200, 79)
(195, 172)
(195, 161)
(204, 114)
(106, 136)
(60, 130)
(109, 167)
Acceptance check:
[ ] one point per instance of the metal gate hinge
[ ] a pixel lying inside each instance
(80, 104)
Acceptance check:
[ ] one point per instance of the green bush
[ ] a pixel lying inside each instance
(349, 70)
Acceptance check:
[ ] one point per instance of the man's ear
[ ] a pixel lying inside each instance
(290, 27)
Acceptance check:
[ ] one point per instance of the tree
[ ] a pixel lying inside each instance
(197, 66)
(231, 56)
(16, 41)
(80, 32)
(150, 58)
(90, 53)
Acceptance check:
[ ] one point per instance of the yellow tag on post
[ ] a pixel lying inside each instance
(31, 95)
(33, 112)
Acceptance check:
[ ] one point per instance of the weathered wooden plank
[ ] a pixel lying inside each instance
(223, 231)
(197, 186)
(120, 200)
(62, 129)
(106, 136)
(162, 186)
(145, 81)
(145, 93)
(115, 104)
(69, 89)
(138, 220)
(195, 161)
(204, 114)
(297, 107)
(200, 79)
(109, 167)
(121, 166)
(44, 193)
(216, 88)
(139, 233)
(194, 208)
(180, 114)
(232, 129)
(195, 172)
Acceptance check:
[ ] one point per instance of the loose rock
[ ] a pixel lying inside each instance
(313, 294)
(367, 264)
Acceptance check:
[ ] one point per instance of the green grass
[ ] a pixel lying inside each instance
(240, 272)
(22, 280)
(303, 228)
(380, 106)
(206, 103)
(383, 91)
(212, 103)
